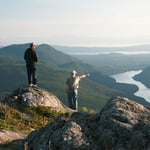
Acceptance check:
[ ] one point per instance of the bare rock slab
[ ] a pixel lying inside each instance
(121, 125)
(33, 97)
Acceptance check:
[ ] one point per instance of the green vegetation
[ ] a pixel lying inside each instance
(144, 77)
(32, 118)
(53, 69)
(91, 94)
(85, 109)
(46, 54)
(109, 64)
(109, 61)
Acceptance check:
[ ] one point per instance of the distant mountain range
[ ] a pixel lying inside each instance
(53, 69)
(69, 49)
(112, 60)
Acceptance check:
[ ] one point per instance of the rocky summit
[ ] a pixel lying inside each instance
(32, 97)
(121, 125)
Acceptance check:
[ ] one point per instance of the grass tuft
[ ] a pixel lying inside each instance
(35, 118)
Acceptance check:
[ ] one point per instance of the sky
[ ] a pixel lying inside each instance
(75, 22)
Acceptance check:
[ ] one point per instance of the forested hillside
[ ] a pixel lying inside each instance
(115, 63)
(53, 69)
(13, 75)
(144, 77)
(111, 60)
(46, 54)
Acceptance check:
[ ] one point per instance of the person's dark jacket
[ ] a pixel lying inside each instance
(30, 56)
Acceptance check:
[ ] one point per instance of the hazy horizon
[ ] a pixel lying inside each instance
(93, 23)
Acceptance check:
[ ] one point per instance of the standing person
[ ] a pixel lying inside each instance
(31, 59)
(71, 88)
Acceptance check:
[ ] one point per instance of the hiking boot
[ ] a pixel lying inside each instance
(34, 85)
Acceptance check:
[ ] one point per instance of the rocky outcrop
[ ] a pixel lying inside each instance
(121, 125)
(33, 97)
(8, 135)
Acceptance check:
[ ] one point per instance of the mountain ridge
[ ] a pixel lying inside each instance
(53, 69)
(52, 79)
(69, 49)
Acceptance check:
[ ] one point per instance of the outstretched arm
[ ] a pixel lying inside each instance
(83, 76)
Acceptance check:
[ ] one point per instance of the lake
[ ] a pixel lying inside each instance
(127, 77)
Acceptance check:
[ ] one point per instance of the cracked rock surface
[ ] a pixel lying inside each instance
(121, 125)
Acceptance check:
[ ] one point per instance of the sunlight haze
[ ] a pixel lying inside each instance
(75, 22)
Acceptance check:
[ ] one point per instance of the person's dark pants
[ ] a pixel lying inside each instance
(73, 99)
(31, 72)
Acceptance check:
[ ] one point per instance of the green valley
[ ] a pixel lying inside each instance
(53, 69)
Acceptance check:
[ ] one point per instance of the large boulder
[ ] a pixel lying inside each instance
(121, 125)
(32, 97)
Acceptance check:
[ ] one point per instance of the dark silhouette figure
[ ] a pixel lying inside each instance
(31, 59)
